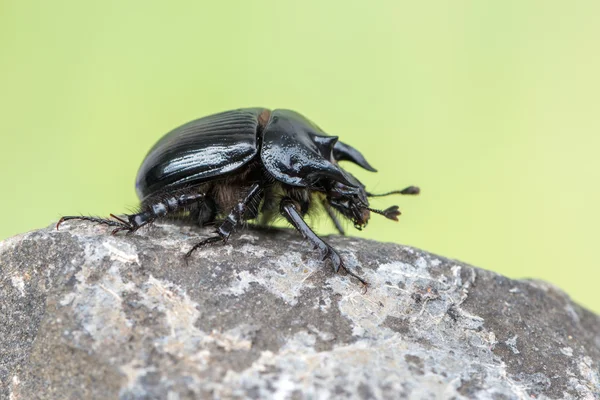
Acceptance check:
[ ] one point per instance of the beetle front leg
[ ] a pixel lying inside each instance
(289, 209)
(234, 219)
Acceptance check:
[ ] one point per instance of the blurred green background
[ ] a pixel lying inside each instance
(493, 108)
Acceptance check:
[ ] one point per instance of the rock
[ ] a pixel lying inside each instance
(86, 315)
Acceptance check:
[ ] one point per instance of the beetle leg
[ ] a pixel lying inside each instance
(206, 241)
(236, 215)
(120, 224)
(152, 211)
(206, 212)
(333, 217)
(233, 220)
(289, 210)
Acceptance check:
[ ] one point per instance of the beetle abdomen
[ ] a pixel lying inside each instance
(200, 150)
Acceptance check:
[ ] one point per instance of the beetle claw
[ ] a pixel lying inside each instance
(206, 241)
(365, 286)
(361, 280)
(335, 260)
(60, 221)
(336, 267)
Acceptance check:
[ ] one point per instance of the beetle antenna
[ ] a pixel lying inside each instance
(409, 190)
(390, 213)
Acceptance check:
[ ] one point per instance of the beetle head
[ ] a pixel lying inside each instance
(352, 202)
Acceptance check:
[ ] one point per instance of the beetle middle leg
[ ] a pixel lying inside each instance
(289, 209)
(333, 217)
(234, 219)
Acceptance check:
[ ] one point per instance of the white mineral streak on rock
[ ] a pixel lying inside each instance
(326, 304)
(14, 388)
(11, 243)
(589, 387)
(512, 344)
(248, 238)
(180, 314)
(567, 351)
(381, 357)
(321, 374)
(98, 307)
(19, 284)
(184, 341)
(134, 371)
(324, 336)
(122, 251)
(285, 277)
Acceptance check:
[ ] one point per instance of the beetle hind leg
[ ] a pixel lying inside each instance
(151, 211)
(119, 223)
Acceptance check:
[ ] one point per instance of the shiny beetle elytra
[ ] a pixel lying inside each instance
(251, 164)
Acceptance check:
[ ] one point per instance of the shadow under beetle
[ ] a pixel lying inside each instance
(251, 164)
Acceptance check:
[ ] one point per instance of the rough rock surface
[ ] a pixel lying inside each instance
(86, 315)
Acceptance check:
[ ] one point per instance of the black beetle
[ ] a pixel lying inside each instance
(247, 164)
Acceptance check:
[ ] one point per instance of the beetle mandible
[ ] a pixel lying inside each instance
(251, 164)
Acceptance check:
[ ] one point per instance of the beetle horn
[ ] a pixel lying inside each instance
(345, 152)
(326, 143)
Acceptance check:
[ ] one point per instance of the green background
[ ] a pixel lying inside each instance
(493, 108)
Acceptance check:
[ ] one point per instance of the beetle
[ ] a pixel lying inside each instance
(251, 164)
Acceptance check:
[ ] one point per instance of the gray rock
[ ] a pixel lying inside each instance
(87, 315)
